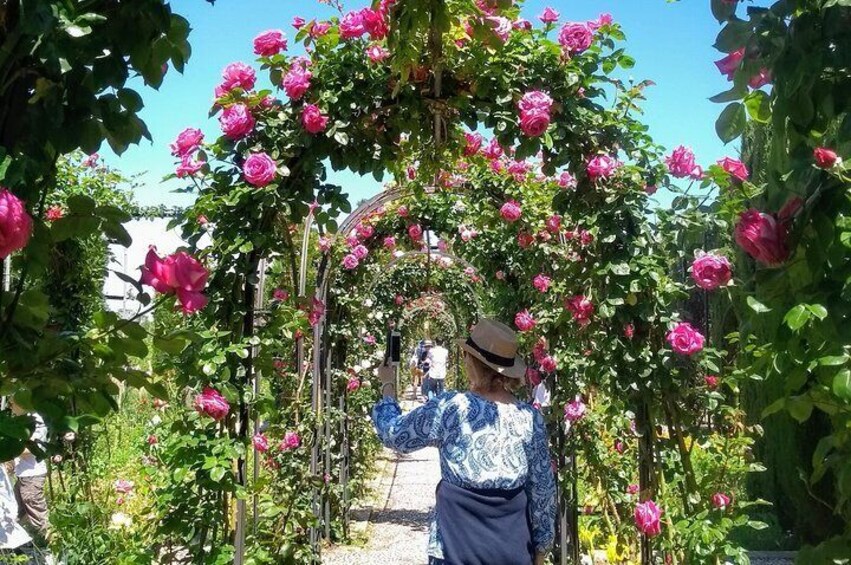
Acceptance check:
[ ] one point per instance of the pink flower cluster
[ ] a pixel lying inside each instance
(236, 121)
(179, 274)
(524, 321)
(188, 142)
(575, 37)
(542, 282)
(16, 225)
(710, 271)
(211, 403)
(313, 120)
(236, 75)
(357, 23)
(601, 167)
(735, 168)
(297, 80)
(535, 107)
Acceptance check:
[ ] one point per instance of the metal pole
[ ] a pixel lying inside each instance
(259, 305)
(7, 273)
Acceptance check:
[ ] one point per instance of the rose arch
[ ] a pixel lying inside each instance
(500, 142)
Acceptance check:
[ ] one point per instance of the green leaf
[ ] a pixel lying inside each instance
(817, 310)
(757, 306)
(172, 345)
(217, 474)
(833, 360)
(78, 31)
(723, 10)
(797, 317)
(130, 99)
(731, 123)
(759, 106)
(842, 384)
(799, 407)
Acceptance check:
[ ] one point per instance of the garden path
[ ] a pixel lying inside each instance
(396, 530)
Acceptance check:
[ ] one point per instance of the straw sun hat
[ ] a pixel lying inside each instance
(495, 344)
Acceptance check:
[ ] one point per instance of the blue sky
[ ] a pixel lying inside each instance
(671, 42)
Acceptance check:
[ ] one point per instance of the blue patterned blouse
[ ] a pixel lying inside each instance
(484, 445)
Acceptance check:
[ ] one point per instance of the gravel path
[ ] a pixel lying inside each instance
(397, 532)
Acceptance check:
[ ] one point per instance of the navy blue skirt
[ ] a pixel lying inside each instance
(483, 526)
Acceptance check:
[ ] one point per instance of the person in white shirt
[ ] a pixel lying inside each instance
(438, 357)
(12, 535)
(31, 474)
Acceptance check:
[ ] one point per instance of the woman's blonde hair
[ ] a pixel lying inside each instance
(485, 379)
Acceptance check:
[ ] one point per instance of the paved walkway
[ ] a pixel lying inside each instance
(395, 532)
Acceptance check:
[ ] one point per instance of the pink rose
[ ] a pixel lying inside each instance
(542, 282)
(501, 26)
(510, 211)
(762, 237)
(730, 64)
(735, 168)
(473, 143)
(270, 43)
(553, 224)
(313, 120)
(91, 161)
(123, 486)
(54, 213)
(298, 22)
(519, 170)
(280, 295)
(296, 81)
(188, 167)
(575, 410)
(324, 244)
(350, 262)
(522, 25)
(291, 441)
(351, 26)
(211, 403)
(399, 300)
(389, 242)
(353, 384)
(318, 29)
(186, 272)
(364, 231)
(415, 232)
(581, 307)
(586, 238)
(377, 53)
(720, 501)
(500, 275)
(317, 312)
(549, 16)
(629, 331)
(632, 489)
(236, 121)
(188, 141)
(259, 169)
(709, 271)
(525, 240)
(711, 382)
(548, 364)
(375, 23)
(681, 163)
(566, 180)
(237, 75)
(760, 79)
(524, 321)
(361, 252)
(825, 158)
(533, 376)
(601, 167)
(260, 443)
(152, 440)
(493, 150)
(157, 272)
(648, 518)
(604, 19)
(620, 447)
(685, 339)
(402, 211)
(534, 123)
(575, 37)
(650, 189)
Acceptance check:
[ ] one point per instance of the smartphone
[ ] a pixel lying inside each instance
(394, 347)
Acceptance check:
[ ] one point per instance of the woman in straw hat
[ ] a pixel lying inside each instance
(496, 500)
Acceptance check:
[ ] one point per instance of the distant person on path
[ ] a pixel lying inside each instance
(31, 474)
(438, 359)
(496, 502)
(425, 368)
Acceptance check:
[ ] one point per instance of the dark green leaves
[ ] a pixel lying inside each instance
(731, 122)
